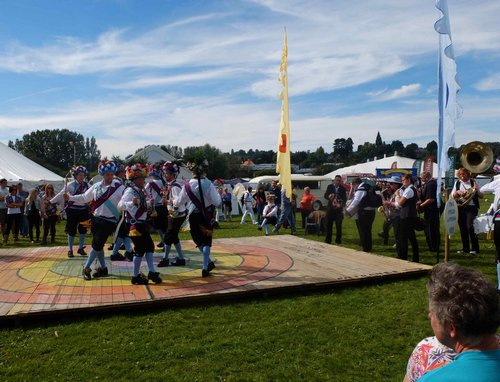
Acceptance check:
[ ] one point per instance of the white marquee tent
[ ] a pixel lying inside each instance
(17, 168)
(387, 162)
(155, 154)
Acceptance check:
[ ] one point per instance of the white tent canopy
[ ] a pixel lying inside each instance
(17, 168)
(387, 162)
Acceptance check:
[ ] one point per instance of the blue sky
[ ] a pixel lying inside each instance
(187, 73)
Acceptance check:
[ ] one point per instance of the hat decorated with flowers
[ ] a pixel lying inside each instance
(171, 168)
(79, 169)
(106, 166)
(137, 170)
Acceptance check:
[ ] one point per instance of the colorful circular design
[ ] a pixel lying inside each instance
(47, 280)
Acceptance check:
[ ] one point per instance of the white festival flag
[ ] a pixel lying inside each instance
(448, 87)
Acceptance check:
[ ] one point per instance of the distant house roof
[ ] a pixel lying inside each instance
(247, 163)
(155, 154)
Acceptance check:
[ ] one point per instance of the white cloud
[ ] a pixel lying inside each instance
(402, 92)
(490, 83)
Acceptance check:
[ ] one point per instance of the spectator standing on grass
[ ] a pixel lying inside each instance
(14, 214)
(4, 192)
(227, 198)
(260, 203)
(32, 210)
(49, 214)
(428, 205)
(23, 226)
(464, 314)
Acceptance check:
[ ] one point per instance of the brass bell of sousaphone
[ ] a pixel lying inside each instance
(476, 157)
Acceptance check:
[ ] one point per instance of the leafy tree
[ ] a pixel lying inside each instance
(57, 149)
(397, 146)
(218, 162)
(431, 148)
(378, 140)
(411, 150)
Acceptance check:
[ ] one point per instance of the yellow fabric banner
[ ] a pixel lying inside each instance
(283, 167)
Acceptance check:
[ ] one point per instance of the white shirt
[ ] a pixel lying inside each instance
(493, 187)
(270, 210)
(463, 187)
(126, 203)
(210, 195)
(248, 199)
(175, 190)
(94, 193)
(152, 193)
(359, 194)
(70, 188)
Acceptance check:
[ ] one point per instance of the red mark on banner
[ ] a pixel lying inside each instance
(282, 147)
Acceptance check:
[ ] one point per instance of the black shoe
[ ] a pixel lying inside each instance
(154, 277)
(205, 273)
(140, 279)
(87, 273)
(160, 245)
(81, 251)
(129, 256)
(211, 266)
(70, 254)
(178, 262)
(259, 228)
(100, 272)
(163, 263)
(117, 257)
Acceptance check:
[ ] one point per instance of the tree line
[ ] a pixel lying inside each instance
(59, 150)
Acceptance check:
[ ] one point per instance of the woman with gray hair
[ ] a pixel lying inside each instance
(465, 315)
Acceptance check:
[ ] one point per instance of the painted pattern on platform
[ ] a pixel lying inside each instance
(45, 279)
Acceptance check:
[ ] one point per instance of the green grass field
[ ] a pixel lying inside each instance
(363, 333)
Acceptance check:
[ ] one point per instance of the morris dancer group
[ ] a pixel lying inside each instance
(123, 210)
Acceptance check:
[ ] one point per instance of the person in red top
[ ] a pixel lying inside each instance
(306, 205)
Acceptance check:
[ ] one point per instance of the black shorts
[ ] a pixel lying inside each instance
(173, 228)
(199, 232)
(143, 244)
(123, 230)
(160, 221)
(75, 216)
(101, 229)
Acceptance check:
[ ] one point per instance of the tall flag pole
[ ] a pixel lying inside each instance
(283, 167)
(448, 87)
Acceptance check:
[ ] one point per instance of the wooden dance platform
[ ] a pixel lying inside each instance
(41, 281)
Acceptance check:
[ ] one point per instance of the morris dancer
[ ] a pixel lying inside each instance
(202, 198)
(104, 196)
(134, 203)
(154, 189)
(122, 237)
(176, 216)
(76, 212)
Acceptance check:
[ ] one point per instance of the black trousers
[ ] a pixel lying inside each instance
(34, 222)
(407, 233)
(14, 224)
(49, 226)
(334, 216)
(496, 239)
(466, 216)
(364, 224)
(432, 234)
(143, 244)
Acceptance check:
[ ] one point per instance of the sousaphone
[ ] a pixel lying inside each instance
(476, 157)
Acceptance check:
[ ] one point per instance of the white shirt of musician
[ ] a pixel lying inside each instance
(95, 192)
(464, 186)
(70, 188)
(210, 195)
(248, 199)
(358, 196)
(152, 193)
(127, 203)
(493, 187)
